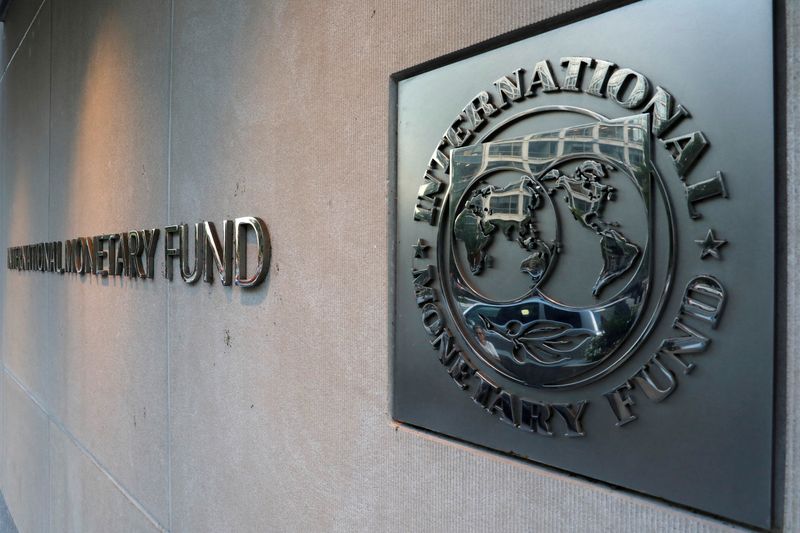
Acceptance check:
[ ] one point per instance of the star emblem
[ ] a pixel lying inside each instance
(419, 249)
(710, 245)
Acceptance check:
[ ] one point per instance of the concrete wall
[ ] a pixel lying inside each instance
(139, 406)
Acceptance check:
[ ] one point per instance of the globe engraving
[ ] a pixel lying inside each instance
(508, 210)
(511, 211)
(531, 305)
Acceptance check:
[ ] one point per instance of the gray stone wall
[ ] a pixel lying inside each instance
(140, 406)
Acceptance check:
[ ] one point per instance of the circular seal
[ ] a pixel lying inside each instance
(555, 249)
(507, 207)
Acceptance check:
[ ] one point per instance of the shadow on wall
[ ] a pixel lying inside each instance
(110, 122)
(100, 118)
(23, 215)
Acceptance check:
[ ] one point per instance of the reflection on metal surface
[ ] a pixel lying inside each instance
(636, 95)
(133, 253)
(150, 242)
(480, 185)
(189, 273)
(170, 251)
(703, 190)
(621, 401)
(420, 249)
(263, 251)
(647, 381)
(710, 245)
(572, 77)
(704, 299)
(586, 197)
(570, 286)
(219, 253)
(599, 76)
(122, 266)
(100, 254)
(135, 250)
(553, 343)
(510, 211)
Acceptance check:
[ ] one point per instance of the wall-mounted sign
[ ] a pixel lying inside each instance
(584, 252)
(198, 253)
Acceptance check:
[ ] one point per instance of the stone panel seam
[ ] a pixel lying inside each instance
(791, 495)
(50, 491)
(49, 281)
(169, 288)
(22, 41)
(49, 475)
(78, 444)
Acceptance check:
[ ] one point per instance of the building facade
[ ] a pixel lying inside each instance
(148, 405)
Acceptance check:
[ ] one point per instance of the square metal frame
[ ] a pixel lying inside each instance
(781, 324)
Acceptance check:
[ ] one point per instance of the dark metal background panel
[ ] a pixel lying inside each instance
(708, 444)
(4, 5)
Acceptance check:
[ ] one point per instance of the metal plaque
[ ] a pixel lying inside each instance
(584, 251)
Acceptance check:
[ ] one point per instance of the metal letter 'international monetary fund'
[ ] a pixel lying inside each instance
(573, 245)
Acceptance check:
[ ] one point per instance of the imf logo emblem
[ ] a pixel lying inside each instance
(555, 248)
